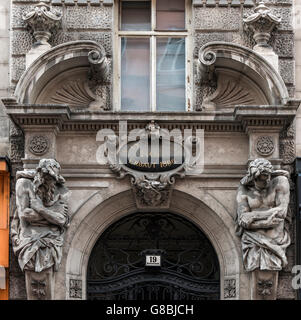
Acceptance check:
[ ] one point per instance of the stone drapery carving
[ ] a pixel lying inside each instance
(39, 224)
(262, 206)
(42, 21)
(261, 23)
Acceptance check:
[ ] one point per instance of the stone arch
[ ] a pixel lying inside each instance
(65, 62)
(97, 214)
(259, 81)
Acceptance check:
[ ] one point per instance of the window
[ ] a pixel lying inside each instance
(153, 56)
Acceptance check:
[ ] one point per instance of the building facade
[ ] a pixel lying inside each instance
(83, 76)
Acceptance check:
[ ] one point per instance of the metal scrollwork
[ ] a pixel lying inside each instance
(117, 262)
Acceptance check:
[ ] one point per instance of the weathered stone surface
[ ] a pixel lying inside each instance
(217, 18)
(103, 38)
(285, 289)
(201, 38)
(21, 42)
(88, 17)
(43, 210)
(17, 68)
(283, 44)
(251, 221)
(287, 70)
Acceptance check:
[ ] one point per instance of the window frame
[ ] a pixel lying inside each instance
(153, 34)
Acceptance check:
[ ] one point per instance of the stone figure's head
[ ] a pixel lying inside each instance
(259, 174)
(47, 175)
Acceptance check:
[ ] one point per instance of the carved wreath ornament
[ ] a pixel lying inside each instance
(39, 145)
(265, 145)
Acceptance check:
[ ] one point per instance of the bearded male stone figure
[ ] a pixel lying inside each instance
(39, 224)
(262, 206)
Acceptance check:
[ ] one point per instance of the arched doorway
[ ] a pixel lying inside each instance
(189, 267)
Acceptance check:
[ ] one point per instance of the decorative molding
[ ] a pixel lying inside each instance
(75, 93)
(244, 61)
(83, 2)
(229, 288)
(151, 183)
(265, 145)
(223, 3)
(264, 287)
(38, 145)
(261, 23)
(38, 288)
(42, 21)
(75, 288)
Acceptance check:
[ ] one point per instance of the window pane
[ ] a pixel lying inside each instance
(170, 74)
(136, 15)
(171, 14)
(135, 74)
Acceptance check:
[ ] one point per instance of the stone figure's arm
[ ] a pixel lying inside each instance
(282, 196)
(244, 217)
(54, 217)
(23, 194)
(272, 217)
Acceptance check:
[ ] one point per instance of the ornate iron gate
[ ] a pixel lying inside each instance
(189, 268)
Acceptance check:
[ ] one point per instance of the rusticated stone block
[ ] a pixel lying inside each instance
(217, 18)
(90, 17)
(103, 38)
(285, 290)
(19, 10)
(61, 37)
(201, 38)
(286, 15)
(21, 42)
(283, 44)
(17, 68)
(287, 70)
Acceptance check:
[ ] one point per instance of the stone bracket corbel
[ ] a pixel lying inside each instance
(206, 67)
(99, 65)
(99, 78)
(263, 124)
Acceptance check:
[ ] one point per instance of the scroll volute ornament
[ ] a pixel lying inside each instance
(261, 23)
(42, 21)
(99, 75)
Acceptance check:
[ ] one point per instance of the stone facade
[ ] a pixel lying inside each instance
(60, 98)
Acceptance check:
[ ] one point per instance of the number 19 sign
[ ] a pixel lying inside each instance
(152, 261)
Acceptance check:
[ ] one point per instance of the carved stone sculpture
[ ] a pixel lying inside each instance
(99, 74)
(43, 23)
(262, 205)
(38, 226)
(261, 24)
